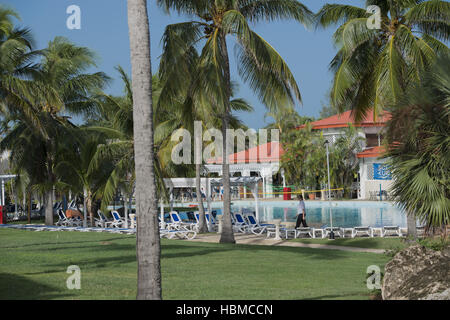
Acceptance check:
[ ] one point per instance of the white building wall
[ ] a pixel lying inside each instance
(367, 184)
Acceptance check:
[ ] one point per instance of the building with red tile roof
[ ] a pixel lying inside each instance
(373, 171)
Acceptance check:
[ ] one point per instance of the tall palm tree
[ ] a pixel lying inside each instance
(113, 120)
(344, 162)
(40, 102)
(374, 67)
(17, 52)
(73, 163)
(419, 153)
(259, 63)
(148, 242)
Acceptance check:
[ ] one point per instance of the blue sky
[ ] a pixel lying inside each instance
(104, 29)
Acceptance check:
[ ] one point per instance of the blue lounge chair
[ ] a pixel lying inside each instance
(178, 223)
(117, 220)
(240, 224)
(256, 227)
(102, 222)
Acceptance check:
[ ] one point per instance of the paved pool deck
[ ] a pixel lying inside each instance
(251, 239)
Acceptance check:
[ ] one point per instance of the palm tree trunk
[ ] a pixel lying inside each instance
(148, 249)
(125, 209)
(202, 227)
(48, 207)
(411, 225)
(29, 205)
(227, 235)
(89, 205)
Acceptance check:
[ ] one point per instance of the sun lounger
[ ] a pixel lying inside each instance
(420, 231)
(391, 231)
(181, 234)
(64, 221)
(255, 227)
(336, 230)
(178, 223)
(362, 231)
(102, 221)
(210, 219)
(284, 232)
(240, 224)
(117, 220)
(309, 231)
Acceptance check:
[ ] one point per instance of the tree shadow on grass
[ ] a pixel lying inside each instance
(312, 253)
(339, 296)
(187, 250)
(184, 251)
(15, 287)
(95, 262)
(62, 242)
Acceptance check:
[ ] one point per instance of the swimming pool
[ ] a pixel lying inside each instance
(346, 214)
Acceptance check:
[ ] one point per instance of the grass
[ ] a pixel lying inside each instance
(372, 243)
(33, 265)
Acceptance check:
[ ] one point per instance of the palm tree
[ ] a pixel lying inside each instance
(286, 120)
(259, 63)
(39, 104)
(344, 163)
(16, 52)
(148, 242)
(73, 163)
(374, 67)
(419, 155)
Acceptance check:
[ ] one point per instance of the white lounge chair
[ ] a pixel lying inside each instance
(420, 231)
(240, 224)
(178, 223)
(255, 227)
(67, 222)
(117, 220)
(362, 231)
(181, 234)
(283, 231)
(210, 219)
(391, 231)
(309, 231)
(336, 230)
(208, 222)
(102, 221)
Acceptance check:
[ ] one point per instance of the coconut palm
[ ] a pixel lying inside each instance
(344, 163)
(259, 64)
(39, 104)
(148, 242)
(73, 162)
(419, 153)
(374, 67)
(16, 54)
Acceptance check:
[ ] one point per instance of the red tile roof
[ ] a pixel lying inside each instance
(374, 152)
(343, 119)
(268, 152)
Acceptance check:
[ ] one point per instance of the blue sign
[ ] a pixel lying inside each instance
(381, 172)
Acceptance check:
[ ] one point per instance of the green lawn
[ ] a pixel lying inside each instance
(33, 266)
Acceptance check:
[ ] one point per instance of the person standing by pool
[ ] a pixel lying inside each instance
(301, 212)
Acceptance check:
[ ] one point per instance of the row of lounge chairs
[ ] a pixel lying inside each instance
(171, 230)
(309, 232)
(247, 224)
(242, 223)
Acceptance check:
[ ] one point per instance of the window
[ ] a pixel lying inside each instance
(372, 140)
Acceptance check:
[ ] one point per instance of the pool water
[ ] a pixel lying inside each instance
(345, 214)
